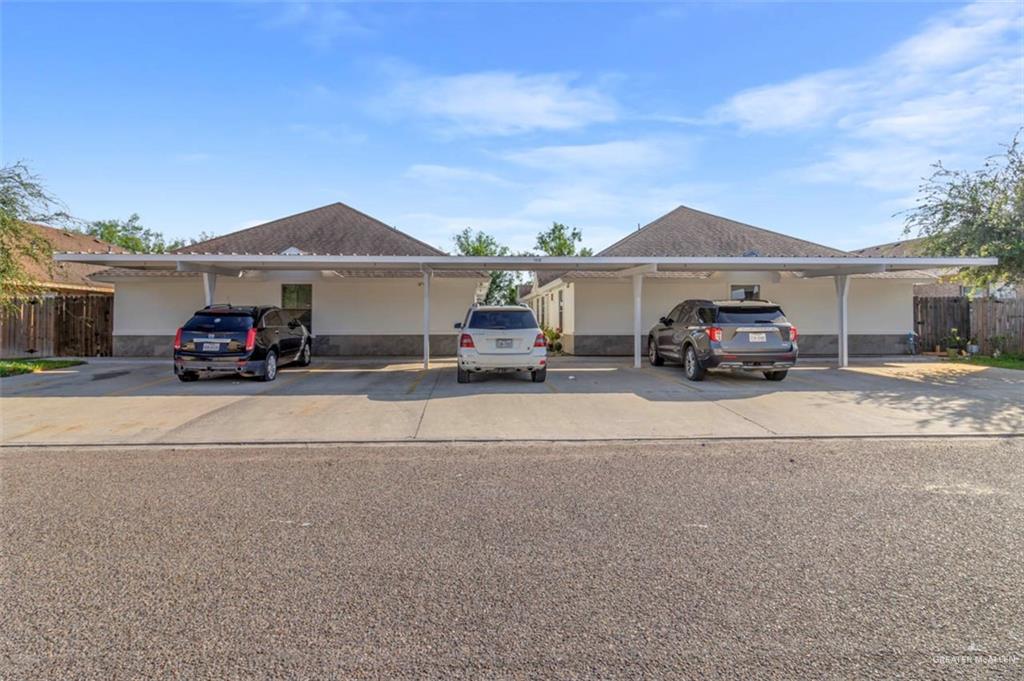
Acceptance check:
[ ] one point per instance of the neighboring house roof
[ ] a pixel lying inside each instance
(69, 276)
(911, 248)
(897, 249)
(689, 232)
(335, 229)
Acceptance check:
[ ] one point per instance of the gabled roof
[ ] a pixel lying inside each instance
(897, 249)
(334, 229)
(69, 276)
(689, 232)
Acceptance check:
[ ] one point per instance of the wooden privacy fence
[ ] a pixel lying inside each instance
(993, 323)
(934, 317)
(58, 326)
(998, 323)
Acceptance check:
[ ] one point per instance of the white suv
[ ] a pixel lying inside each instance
(501, 338)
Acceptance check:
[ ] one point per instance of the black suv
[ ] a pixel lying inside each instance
(245, 340)
(752, 335)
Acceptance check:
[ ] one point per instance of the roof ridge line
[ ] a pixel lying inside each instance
(763, 229)
(264, 224)
(391, 227)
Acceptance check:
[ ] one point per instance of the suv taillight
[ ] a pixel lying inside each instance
(715, 334)
(540, 341)
(792, 334)
(466, 341)
(177, 340)
(250, 340)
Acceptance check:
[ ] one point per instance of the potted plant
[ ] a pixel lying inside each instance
(954, 343)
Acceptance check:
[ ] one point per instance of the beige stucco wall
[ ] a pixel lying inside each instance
(883, 306)
(349, 305)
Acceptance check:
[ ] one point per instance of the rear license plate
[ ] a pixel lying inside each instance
(211, 347)
(503, 343)
(758, 338)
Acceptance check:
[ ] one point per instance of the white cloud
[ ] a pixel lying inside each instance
(332, 135)
(615, 156)
(321, 24)
(950, 90)
(447, 175)
(502, 103)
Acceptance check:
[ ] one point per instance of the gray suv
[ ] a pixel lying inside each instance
(751, 335)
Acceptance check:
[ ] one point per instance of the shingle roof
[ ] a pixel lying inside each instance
(897, 249)
(69, 275)
(334, 229)
(687, 232)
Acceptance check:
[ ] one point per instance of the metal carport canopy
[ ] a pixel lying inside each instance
(232, 264)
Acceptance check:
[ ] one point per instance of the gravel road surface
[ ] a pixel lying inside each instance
(787, 559)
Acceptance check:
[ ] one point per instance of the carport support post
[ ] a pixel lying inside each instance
(426, 319)
(842, 297)
(638, 287)
(209, 286)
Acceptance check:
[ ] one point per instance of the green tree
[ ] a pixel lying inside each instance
(131, 235)
(24, 200)
(502, 289)
(963, 213)
(561, 240)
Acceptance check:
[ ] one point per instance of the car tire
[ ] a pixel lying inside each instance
(269, 367)
(188, 376)
(305, 356)
(653, 356)
(775, 375)
(692, 367)
(539, 376)
(463, 376)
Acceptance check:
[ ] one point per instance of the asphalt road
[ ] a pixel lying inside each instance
(789, 559)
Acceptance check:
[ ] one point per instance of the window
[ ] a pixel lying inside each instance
(745, 292)
(706, 315)
(297, 303)
(751, 315)
(220, 322)
(502, 320)
(561, 308)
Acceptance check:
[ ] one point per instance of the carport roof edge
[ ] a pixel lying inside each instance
(625, 265)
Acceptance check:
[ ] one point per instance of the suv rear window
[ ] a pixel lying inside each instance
(751, 315)
(502, 319)
(221, 322)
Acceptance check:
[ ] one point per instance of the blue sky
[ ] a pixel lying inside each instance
(817, 120)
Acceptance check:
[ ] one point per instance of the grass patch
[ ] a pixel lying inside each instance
(13, 367)
(1002, 362)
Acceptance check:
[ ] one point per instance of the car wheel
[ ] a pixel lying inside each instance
(306, 356)
(539, 376)
(188, 376)
(270, 366)
(691, 365)
(652, 353)
(463, 375)
(775, 375)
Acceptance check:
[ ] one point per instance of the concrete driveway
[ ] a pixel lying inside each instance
(123, 401)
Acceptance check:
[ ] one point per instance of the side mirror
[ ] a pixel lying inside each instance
(666, 321)
(293, 324)
(458, 325)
